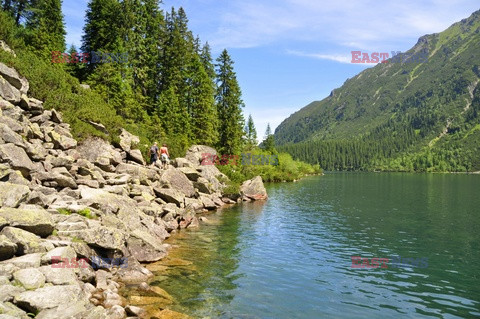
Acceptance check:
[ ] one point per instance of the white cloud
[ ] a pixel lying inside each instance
(366, 24)
(332, 57)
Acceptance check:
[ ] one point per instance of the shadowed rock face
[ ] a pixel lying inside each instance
(60, 201)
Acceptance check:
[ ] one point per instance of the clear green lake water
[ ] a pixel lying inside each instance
(290, 257)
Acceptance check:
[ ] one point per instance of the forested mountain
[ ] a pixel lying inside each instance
(401, 115)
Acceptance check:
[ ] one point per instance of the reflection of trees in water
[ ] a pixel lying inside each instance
(200, 288)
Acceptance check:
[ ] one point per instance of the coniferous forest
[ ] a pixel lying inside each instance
(141, 68)
(170, 88)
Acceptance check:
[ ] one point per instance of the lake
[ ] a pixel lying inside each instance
(291, 256)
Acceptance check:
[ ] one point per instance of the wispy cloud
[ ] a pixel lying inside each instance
(249, 23)
(332, 57)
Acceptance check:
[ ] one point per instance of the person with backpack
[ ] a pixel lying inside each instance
(164, 155)
(153, 152)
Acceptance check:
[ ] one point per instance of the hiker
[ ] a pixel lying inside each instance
(153, 152)
(164, 155)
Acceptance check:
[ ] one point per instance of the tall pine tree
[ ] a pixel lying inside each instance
(229, 106)
(202, 104)
(106, 30)
(251, 133)
(269, 141)
(45, 29)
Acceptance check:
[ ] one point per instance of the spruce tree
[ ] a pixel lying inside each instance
(206, 57)
(175, 120)
(202, 104)
(269, 141)
(143, 24)
(45, 29)
(251, 132)
(107, 31)
(17, 9)
(229, 106)
(78, 68)
(102, 26)
(177, 54)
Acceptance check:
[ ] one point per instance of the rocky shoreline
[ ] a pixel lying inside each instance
(64, 202)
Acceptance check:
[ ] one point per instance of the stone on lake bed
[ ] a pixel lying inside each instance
(161, 292)
(148, 300)
(156, 267)
(169, 314)
(175, 262)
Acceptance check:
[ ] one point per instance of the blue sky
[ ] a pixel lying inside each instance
(289, 53)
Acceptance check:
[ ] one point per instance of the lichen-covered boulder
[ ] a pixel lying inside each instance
(195, 154)
(61, 141)
(8, 91)
(128, 140)
(50, 297)
(37, 221)
(101, 237)
(143, 174)
(179, 181)
(29, 278)
(7, 248)
(12, 76)
(170, 195)
(17, 158)
(145, 247)
(27, 243)
(11, 195)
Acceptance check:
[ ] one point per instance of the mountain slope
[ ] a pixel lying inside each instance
(398, 112)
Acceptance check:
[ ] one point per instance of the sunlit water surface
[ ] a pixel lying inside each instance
(290, 257)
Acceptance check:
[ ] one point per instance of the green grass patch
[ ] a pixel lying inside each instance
(86, 212)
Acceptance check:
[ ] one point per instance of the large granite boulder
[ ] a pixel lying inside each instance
(101, 237)
(37, 221)
(136, 156)
(17, 158)
(12, 76)
(191, 173)
(8, 291)
(68, 296)
(254, 189)
(8, 91)
(179, 181)
(11, 195)
(26, 242)
(182, 162)
(170, 195)
(128, 141)
(10, 311)
(61, 141)
(26, 261)
(59, 276)
(195, 153)
(143, 174)
(7, 135)
(7, 248)
(29, 278)
(145, 247)
(97, 150)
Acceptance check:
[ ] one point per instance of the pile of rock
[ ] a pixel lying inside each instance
(60, 199)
